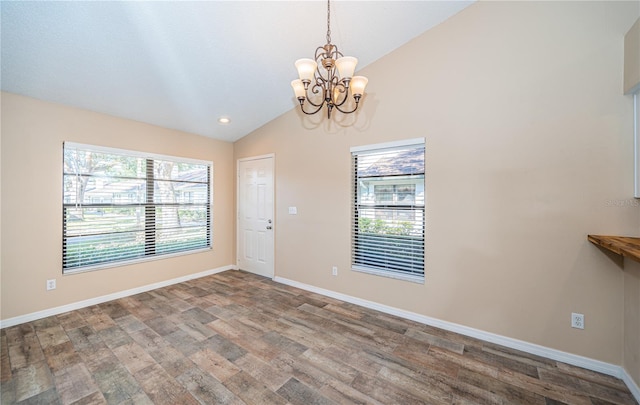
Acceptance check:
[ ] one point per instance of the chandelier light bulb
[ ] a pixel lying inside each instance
(306, 69)
(346, 66)
(298, 88)
(358, 83)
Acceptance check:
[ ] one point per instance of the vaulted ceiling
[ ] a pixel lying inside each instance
(183, 65)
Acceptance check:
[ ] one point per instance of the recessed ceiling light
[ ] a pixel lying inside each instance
(224, 120)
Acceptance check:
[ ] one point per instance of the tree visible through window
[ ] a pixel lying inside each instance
(389, 209)
(121, 206)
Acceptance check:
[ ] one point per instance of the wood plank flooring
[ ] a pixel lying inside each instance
(237, 338)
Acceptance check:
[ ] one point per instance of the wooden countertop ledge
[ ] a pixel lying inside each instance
(623, 245)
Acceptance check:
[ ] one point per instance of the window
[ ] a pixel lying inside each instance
(636, 140)
(388, 210)
(121, 206)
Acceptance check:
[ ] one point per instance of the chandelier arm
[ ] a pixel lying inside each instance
(310, 112)
(343, 89)
(348, 112)
(328, 50)
(317, 88)
(319, 55)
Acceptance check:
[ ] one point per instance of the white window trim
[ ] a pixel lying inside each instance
(155, 156)
(636, 142)
(373, 148)
(101, 266)
(389, 274)
(388, 145)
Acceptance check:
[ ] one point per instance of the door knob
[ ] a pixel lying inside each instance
(269, 227)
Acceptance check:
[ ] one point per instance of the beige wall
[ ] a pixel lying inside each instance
(632, 59)
(32, 137)
(529, 149)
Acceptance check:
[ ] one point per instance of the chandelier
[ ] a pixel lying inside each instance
(328, 79)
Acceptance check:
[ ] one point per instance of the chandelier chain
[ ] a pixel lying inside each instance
(328, 22)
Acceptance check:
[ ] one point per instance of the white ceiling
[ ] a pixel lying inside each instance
(183, 64)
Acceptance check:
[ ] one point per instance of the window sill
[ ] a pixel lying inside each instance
(389, 274)
(78, 270)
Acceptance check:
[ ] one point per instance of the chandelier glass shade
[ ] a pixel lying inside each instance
(328, 80)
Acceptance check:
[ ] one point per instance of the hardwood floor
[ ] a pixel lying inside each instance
(235, 338)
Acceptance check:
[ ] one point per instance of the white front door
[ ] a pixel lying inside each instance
(255, 215)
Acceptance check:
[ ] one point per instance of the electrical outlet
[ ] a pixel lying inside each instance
(334, 270)
(577, 320)
(51, 284)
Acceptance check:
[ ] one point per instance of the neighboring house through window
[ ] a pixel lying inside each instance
(389, 209)
(121, 206)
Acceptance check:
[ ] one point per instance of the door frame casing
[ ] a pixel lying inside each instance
(271, 156)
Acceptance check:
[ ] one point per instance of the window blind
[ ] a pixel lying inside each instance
(389, 210)
(121, 206)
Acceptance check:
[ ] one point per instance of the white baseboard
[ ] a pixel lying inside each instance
(631, 384)
(553, 354)
(5, 323)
